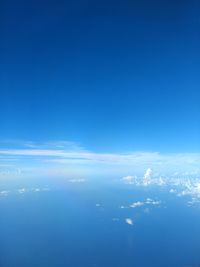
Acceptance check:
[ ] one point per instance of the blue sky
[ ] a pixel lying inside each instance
(109, 76)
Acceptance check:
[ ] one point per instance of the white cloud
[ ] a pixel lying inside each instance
(148, 201)
(180, 186)
(147, 176)
(137, 204)
(62, 155)
(161, 181)
(59, 152)
(37, 190)
(129, 221)
(80, 180)
(147, 180)
(152, 202)
(192, 189)
(22, 190)
(172, 190)
(129, 179)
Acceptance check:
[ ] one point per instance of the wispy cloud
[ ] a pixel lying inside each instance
(24, 190)
(80, 180)
(62, 154)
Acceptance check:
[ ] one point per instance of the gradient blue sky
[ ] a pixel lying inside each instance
(112, 76)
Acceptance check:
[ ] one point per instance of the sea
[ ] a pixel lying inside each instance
(94, 224)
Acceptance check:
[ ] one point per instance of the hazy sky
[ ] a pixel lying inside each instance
(111, 76)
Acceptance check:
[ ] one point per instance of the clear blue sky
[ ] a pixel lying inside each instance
(110, 75)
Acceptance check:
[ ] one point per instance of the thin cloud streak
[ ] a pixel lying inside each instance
(189, 158)
(64, 154)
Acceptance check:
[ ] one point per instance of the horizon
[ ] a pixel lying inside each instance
(100, 133)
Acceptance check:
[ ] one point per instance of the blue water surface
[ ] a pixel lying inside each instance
(85, 226)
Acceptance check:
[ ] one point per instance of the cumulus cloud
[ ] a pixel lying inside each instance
(137, 204)
(191, 188)
(148, 201)
(179, 186)
(147, 176)
(22, 191)
(152, 202)
(188, 188)
(129, 221)
(147, 180)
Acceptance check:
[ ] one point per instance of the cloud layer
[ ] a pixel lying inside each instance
(62, 156)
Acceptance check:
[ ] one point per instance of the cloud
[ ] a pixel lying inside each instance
(191, 188)
(147, 180)
(129, 179)
(152, 202)
(137, 204)
(24, 190)
(9, 170)
(63, 155)
(148, 201)
(129, 221)
(122, 207)
(147, 176)
(80, 180)
(172, 190)
(181, 187)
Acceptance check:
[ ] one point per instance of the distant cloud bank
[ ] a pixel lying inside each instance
(181, 186)
(61, 157)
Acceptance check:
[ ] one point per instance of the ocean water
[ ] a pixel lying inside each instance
(83, 225)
